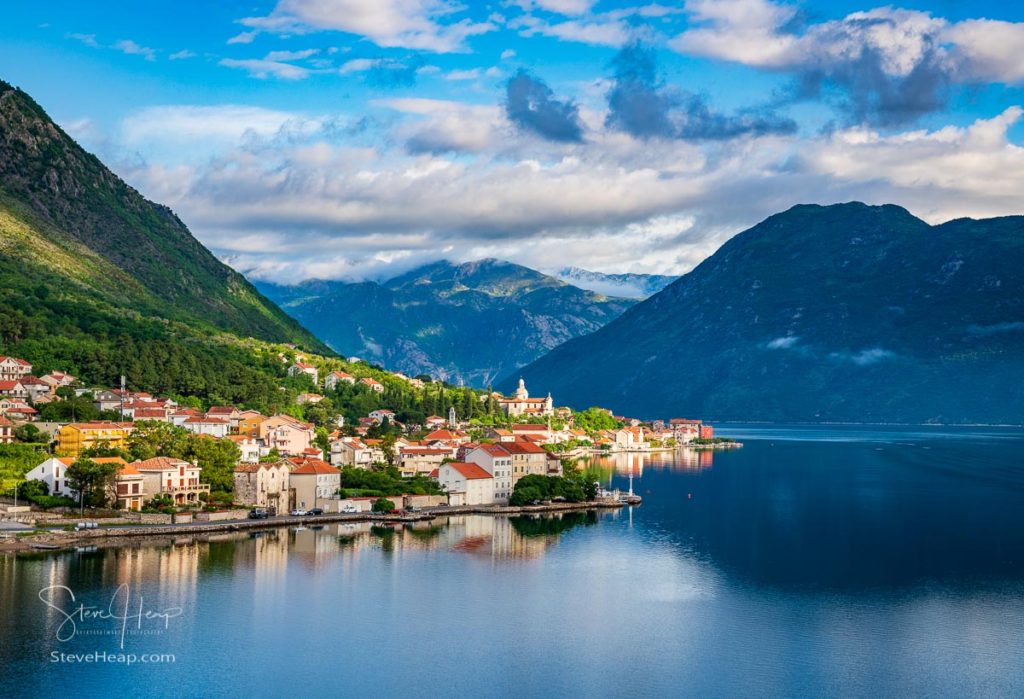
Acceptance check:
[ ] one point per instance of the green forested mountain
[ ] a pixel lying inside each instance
(837, 313)
(96, 280)
(473, 321)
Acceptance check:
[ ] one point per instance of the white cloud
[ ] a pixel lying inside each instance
(289, 194)
(278, 64)
(133, 49)
(507, 54)
(468, 74)
(87, 39)
(184, 53)
(755, 33)
(243, 38)
(599, 31)
(412, 24)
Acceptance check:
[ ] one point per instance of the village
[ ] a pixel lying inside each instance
(286, 465)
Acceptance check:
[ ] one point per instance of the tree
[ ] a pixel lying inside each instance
(92, 481)
(383, 505)
(216, 458)
(30, 433)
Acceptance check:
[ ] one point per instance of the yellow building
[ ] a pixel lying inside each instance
(249, 422)
(74, 438)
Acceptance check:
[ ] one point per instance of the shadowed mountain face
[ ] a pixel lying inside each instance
(838, 313)
(472, 321)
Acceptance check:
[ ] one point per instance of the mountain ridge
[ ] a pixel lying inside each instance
(805, 315)
(458, 321)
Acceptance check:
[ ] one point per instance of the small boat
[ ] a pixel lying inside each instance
(45, 547)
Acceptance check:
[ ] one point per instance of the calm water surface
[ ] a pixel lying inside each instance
(812, 562)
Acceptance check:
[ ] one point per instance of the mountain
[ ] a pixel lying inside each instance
(96, 280)
(630, 286)
(836, 313)
(472, 321)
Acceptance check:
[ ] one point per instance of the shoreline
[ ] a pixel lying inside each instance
(42, 541)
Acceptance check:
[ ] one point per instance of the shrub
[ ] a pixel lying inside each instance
(383, 505)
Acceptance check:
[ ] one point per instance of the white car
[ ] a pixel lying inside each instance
(349, 509)
(298, 513)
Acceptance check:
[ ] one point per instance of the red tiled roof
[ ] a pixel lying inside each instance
(522, 448)
(22, 362)
(161, 463)
(469, 471)
(314, 467)
(529, 428)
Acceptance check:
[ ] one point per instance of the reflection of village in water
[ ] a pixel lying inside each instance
(171, 571)
(634, 463)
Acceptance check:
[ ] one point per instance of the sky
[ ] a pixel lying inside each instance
(355, 139)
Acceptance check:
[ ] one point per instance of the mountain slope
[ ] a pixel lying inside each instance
(630, 286)
(837, 313)
(471, 321)
(69, 198)
(96, 280)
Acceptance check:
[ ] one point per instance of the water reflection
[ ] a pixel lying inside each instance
(626, 464)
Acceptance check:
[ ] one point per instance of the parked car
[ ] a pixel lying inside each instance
(411, 508)
(298, 512)
(258, 513)
(350, 509)
(315, 511)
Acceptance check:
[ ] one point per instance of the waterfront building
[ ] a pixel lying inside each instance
(263, 485)
(466, 483)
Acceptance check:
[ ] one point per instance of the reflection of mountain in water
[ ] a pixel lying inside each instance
(846, 516)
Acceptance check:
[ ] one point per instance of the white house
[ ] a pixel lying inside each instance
(211, 426)
(373, 385)
(53, 472)
(381, 413)
(12, 368)
(302, 368)
(336, 377)
(497, 461)
(466, 483)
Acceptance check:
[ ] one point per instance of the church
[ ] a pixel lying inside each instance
(521, 404)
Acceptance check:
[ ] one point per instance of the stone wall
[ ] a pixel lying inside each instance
(142, 518)
(221, 516)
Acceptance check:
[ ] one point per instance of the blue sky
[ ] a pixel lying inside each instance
(351, 139)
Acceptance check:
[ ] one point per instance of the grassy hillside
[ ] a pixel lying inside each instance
(98, 281)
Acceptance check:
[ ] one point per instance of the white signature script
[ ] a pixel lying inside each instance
(126, 611)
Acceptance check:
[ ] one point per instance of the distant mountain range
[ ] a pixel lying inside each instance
(821, 313)
(471, 322)
(98, 281)
(630, 286)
